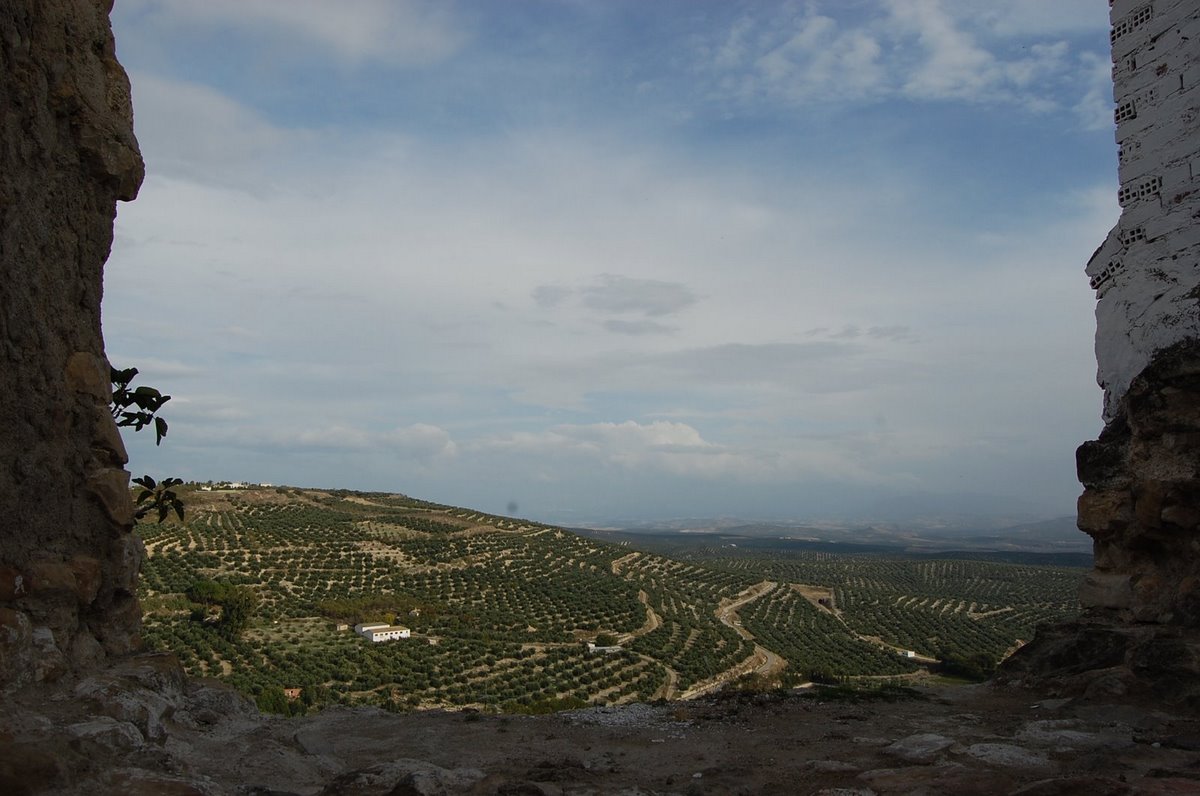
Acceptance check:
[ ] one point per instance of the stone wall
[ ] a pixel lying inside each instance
(1140, 630)
(68, 561)
(1139, 502)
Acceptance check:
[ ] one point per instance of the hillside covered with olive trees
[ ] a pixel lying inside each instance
(262, 587)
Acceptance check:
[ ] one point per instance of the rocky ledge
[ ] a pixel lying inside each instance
(1140, 632)
(141, 727)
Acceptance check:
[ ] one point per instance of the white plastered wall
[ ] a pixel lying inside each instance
(1147, 272)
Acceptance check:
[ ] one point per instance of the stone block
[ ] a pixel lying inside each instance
(51, 576)
(88, 574)
(107, 735)
(160, 672)
(89, 374)
(111, 487)
(106, 439)
(1100, 464)
(85, 652)
(125, 559)
(49, 662)
(1182, 516)
(1106, 590)
(1152, 597)
(1148, 500)
(121, 632)
(1103, 513)
(111, 696)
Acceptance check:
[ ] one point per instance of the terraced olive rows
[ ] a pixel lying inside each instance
(932, 607)
(507, 607)
(685, 597)
(499, 607)
(816, 643)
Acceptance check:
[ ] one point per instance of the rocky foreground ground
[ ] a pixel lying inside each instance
(141, 727)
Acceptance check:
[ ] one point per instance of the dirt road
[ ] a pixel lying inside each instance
(761, 661)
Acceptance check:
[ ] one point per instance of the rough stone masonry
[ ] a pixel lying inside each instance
(68, 559)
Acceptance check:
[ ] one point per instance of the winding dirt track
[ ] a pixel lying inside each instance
(652, 623)
(670, 686)
(761, 661)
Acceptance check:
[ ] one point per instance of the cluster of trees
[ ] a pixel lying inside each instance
(235, 605)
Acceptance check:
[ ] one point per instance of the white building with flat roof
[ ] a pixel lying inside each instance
(380, 631)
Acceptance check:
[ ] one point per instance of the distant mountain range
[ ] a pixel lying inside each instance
(1053, 536)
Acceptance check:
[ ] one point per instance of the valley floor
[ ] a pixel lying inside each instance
(141, 727)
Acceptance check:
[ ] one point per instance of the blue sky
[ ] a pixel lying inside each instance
(620, 260)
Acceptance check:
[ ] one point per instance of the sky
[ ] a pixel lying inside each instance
(599, 261)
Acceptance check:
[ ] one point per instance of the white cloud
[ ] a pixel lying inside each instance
(420, 444)
(819, 58)
(953, 65)
(421, 441)
(1095, 107)
(1024, 18)
(677, 449)
(930, 50)
(398, 32)
(661, 445)
(191, 130)
(796, 58)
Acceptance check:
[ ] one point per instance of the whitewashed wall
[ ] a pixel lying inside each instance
(1147, 272)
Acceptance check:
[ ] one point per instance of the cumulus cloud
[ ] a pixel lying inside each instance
(661, 445)
(796, 57)
(930, 50)
(421, 441)
(954, 65)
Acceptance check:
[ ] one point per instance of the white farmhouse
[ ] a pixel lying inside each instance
(381, 632)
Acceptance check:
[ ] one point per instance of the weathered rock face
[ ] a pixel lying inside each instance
(1141, 501)
(68, 561)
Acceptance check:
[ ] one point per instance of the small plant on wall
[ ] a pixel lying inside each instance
(137, 408)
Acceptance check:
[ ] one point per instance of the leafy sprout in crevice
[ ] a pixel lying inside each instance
(137, 408)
